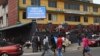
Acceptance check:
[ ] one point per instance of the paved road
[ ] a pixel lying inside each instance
(95, 52)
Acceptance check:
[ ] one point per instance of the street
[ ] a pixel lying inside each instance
(95, 52)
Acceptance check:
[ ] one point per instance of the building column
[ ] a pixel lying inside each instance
(90, 20)
(81, 19)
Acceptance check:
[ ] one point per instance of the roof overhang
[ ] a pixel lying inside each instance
(14, 26)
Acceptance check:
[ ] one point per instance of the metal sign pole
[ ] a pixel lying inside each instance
(33, 31)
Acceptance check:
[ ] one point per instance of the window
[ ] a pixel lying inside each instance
(24, 1)
(96, 19)
(72, 18)
(72, 6)
(85, 19)
(85, 0)
(35, 2)
(95, 9)
(1, 20)
(52, 17)
(85, 7)
(52, 3)
(24, 15)
(6, 15)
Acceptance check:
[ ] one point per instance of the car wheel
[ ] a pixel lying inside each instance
(4, 54)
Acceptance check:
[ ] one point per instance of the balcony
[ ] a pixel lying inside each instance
(95, 13)
(57, 10)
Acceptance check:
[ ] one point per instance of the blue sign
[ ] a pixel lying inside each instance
(36, 12)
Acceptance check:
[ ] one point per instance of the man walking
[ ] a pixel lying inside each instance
(45, 45)
(59, 45)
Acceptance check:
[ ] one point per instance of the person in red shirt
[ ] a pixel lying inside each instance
(85, 45)
(59, 45)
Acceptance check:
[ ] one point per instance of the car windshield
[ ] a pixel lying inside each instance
(95, 37)
(4, 43)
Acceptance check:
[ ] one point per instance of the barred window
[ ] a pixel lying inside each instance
(96, 19)
(52, 17)
(24, 1)
(52, 3)
(24, 15)
(35, 2)
(85, 19)
(95, 9)
(72, 6)
(72, 18)
(85, 7)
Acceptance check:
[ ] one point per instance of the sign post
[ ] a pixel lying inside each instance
(35, 13)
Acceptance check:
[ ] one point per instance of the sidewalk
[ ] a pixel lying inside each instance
(72, 47)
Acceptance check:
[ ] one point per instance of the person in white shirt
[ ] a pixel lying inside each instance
(45, 45)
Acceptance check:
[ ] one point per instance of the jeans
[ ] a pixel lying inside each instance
(59, 52)
(79, 42)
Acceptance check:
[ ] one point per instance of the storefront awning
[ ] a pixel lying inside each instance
(13, 26)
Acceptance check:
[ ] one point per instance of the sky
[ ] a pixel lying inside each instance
(96, 1)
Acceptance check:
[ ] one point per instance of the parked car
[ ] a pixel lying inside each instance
(10, 49)
(95, 41)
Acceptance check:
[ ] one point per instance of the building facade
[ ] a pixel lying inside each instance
(3, 13)
(8, 13)
(60, 11)
(91, 1)
(12, 12)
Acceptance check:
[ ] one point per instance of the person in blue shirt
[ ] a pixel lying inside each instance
(53, 43)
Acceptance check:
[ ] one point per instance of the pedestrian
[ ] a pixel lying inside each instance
(85, 45)
(66, 43)
(53, 44)
(34, 45)
(38, 43)
(27, 44)
(79, 37)
(59, 45)
(45, 45)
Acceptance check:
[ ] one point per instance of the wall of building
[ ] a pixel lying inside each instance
(60, 12)
(12, 12)
(3, 13)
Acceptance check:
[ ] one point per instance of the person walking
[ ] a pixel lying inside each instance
(45, 45)
(59, 45)
(27, 44)
(85, 45)
(34, 44)
(66, 43)
(39, 43)
(79, 37)
(53, 44)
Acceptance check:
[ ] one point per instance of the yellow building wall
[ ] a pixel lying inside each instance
(81, 20)
(44, 3)
(99, 11)
(21, 17)
(60, 5)
(28, 3)
(81, 8)
(60, 16)
(90, 20)
(59, 20)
